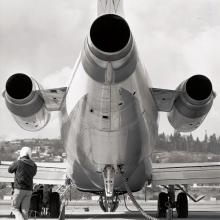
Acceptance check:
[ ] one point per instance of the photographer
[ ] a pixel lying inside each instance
(25, 169)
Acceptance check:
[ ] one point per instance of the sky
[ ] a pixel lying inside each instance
(176, 39)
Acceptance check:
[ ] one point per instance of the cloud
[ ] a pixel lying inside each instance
(39, 39)
(176, 39)
(60, 78)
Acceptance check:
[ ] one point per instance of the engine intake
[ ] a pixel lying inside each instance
(19, 86)
(193, 104)
(24, 101)
(109, 53)
(110, 33)
(198, 87)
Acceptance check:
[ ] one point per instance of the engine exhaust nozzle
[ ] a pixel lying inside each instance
(110, 33)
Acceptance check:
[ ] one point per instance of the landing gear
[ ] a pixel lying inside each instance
(44, 202)
(167, 201)
(35, 204)
(162, 204)
(109, 176)
(108, 204)
(108, 201)
(54, 205)
(182, 205)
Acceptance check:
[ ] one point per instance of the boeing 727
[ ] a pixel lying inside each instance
(109, 118)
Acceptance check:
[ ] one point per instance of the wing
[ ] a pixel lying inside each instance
(185, 173)
(47, 173)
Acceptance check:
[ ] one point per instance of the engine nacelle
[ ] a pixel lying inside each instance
(25, 102)
(193, 104)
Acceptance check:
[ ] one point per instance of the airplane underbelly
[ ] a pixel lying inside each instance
(96, 139)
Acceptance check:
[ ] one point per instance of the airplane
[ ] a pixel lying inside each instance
(109, 120)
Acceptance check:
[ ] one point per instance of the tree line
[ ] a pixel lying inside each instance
(172, 142)
(180, 142)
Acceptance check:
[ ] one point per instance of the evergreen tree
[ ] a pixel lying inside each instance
(213, 144)
(189, 142)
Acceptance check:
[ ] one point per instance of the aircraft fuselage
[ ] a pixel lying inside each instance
(109, 118)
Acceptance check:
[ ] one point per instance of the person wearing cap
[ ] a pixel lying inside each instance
(25, 169)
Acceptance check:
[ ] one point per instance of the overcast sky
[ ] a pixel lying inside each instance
(175, 38)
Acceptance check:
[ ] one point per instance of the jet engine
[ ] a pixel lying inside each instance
(192, 104)
(25, 102)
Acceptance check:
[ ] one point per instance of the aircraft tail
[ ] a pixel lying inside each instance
(110, 7)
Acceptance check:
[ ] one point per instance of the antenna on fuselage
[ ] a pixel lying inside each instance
(110, 7)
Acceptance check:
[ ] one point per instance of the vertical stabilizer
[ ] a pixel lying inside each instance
(110, 7)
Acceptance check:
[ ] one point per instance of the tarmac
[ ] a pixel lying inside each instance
(91, 210)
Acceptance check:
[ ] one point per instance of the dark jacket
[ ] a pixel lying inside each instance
(25, 169)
